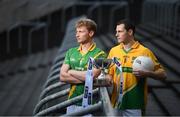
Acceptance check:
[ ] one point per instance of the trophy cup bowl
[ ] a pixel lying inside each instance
(103, 65)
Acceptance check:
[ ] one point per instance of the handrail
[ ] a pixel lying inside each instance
(63, 104)
(50, 80)
(55, 71)
(87, 110)
(107, 108)
(49, 98)
(51, 87)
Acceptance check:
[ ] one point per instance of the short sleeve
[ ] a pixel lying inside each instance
(111, 69)
(157, 65)
(67, 58)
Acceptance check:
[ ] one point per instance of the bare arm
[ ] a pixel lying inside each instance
(66, 77)
(157, 75)
(82, 74)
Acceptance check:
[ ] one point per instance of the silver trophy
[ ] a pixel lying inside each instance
(103, 65)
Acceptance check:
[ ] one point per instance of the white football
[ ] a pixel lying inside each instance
(143, 63)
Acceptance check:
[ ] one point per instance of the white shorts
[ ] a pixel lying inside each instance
(128, 112)
(74, 108)
(124, 113)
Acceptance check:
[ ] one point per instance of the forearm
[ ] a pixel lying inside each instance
(65, 77)
(158, 75)
(82, 74)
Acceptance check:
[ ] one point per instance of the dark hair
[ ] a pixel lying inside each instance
(127, 25)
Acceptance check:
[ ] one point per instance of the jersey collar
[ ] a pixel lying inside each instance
(91, 48)
(135, 45)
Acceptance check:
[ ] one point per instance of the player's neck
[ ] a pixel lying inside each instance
(86, 46)
(129, 44)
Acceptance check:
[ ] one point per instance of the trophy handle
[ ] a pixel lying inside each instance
(102, 64)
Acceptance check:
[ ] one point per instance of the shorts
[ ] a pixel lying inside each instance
(128, 112)
(74, 108)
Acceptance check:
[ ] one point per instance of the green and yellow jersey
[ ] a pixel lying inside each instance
(78, 60)
(134, 89)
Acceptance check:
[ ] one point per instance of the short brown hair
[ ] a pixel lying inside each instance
(90, 24)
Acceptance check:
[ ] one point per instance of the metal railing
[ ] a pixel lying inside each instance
(62, 105)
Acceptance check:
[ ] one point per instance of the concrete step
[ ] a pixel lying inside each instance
(26, 94)
(153, 31)
(169, 100)
(34, 92)
(14, 92)
(152, 108)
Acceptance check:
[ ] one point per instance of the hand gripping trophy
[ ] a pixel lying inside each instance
(103, 65)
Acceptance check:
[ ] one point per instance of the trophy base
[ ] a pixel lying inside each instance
(101, 83)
